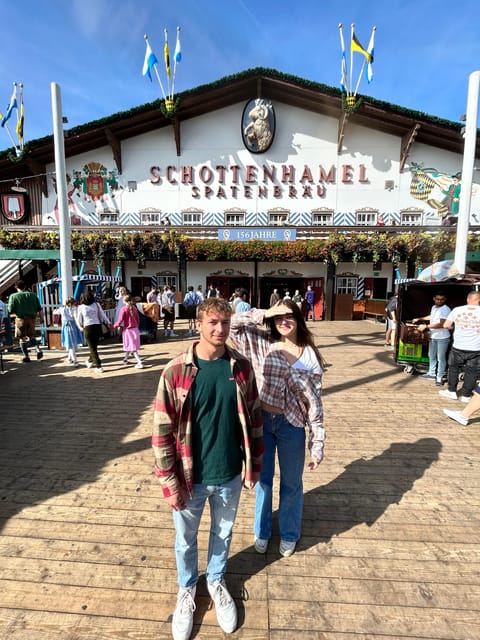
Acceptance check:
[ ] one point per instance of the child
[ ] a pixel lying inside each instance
(71, 335)
(130, 318)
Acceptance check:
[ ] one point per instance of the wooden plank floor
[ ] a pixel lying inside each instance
(391, 539)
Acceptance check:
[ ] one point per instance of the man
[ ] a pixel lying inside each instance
(439, 338)
(191, 302)
(207, 424)
(200, 293)
(5, 324)
(310, 300)
(152, 294)
(465, 352)
(241, 304)
(25, 305)
(168, 309)
(274, 298)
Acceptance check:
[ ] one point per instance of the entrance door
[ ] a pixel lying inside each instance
(140, 286)
(227, 285)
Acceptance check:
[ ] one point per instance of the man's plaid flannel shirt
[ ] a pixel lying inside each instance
(172, 421)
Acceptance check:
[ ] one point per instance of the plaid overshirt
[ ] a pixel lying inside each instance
(297, 393)
(172, 420)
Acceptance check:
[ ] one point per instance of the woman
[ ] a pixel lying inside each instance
(90, 317)
(288, 368)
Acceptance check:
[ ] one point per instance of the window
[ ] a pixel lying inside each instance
(163, 280)
(366, 218)
(277, 218)
(322, 218)
(235, 218)
(411, 217)
(150, 217)
(346, 284)
(108, 216)
(192, 218)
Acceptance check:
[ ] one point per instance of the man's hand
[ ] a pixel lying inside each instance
(178, 501)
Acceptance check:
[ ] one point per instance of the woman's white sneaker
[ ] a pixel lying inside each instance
(287, 548)
(261, 545)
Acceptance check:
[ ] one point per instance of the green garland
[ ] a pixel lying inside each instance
(353, 247)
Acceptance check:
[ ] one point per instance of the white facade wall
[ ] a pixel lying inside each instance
(366, 173)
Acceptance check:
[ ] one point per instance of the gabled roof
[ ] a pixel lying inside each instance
(411, 126)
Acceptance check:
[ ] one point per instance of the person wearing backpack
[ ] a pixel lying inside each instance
(391, 313)
(191, 302)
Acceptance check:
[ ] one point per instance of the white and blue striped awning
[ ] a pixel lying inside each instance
(87, 277)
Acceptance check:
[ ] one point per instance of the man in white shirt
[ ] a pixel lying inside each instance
(439, 338)
(465, 352)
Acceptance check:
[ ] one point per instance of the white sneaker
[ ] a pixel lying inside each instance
(287, 548)
(464, 399)
(88, 364)
(457, 416)
(182, 621)
(451, 395)
(173, 335)
(139, 365)
(261, 545)
(225, 607)
(99, 370)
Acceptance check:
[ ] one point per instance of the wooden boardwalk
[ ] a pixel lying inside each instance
(391, 539)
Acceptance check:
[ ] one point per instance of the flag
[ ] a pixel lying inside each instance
(356, 46)
(149, 62)
(370, 52)
(19, 127)
(343, 77)
(166, 55)
(12, 105)
(178, 51)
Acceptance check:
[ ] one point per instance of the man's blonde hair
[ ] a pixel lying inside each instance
(211, 305)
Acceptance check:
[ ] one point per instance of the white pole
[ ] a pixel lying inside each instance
(467, 171)
(61, 176)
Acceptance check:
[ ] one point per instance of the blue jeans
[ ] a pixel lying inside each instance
(223, 500)
(289, 441)
(8, 339)
(311, 309)
(437, 356)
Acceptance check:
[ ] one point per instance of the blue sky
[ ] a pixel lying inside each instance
(94, 49)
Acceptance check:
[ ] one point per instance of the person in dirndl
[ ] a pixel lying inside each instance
(129, 319)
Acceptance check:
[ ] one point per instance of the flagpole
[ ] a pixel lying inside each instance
(463, 219)
(7, 129)
(61, 177)
(360, 76)
(352, 29)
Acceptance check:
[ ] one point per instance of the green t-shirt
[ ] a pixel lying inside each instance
(216, 442)
(24, 303)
